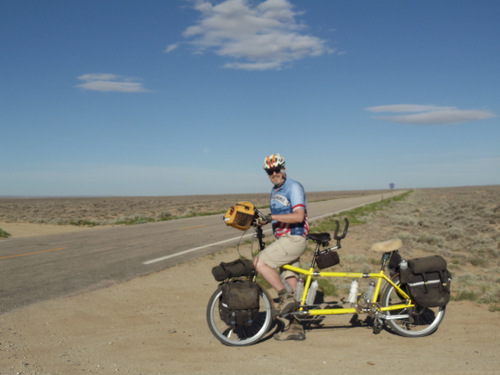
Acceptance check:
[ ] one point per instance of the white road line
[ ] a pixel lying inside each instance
(211, 244)
(193, 249)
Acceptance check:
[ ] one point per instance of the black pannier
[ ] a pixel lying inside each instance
(236, 268)
(427, 281)
(239, 303)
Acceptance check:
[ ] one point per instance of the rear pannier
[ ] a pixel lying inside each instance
(427, 280)
(239, 303)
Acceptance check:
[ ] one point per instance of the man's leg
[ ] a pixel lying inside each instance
(287, 301)
(285, 250)
(292, 281)
(269, 274)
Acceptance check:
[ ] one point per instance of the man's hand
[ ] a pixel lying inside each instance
(269, 218)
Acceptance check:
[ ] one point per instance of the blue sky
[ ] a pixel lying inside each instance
(188, 97)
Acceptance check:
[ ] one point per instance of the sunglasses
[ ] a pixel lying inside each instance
(271, 171)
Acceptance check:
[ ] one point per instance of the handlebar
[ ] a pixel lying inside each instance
(344, 233)
(259, 215)
(346, 227)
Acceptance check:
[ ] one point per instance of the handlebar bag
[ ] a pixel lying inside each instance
(428, 281)
(239, 303)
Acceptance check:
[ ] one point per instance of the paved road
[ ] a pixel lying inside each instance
(40, 268)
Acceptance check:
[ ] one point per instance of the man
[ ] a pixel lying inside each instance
(290, 227)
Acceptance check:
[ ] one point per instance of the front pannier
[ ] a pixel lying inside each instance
(239, 303)
(428, 281)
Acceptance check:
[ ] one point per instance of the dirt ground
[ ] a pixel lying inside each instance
(156, 325)
(20, 230)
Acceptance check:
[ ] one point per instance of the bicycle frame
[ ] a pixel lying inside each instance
(381, 276)
(370, 308)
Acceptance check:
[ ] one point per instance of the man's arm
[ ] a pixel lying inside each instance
(297, 216)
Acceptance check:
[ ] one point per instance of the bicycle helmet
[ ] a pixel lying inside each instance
(274, 161)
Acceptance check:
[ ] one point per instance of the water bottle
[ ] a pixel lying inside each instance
(311, 294)
(299, 290)
(370, 292)
(353, 293)
(404, 271)
(403, 265)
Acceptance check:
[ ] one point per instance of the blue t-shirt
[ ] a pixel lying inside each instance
(287, 198)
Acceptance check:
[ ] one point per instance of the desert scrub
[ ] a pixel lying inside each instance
(491, 295)
(480, 288)
(430, 241)
(164, 216)
(135, 219)
(81, 223)
(453, 233)
(356, 263)
(466, 295)
(327, 287)
(4, 234)
(403, 220)
(359, 215)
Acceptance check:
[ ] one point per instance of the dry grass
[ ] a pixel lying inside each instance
(131, 210)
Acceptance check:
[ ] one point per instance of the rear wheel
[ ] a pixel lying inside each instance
(240, 335)
(412, 321)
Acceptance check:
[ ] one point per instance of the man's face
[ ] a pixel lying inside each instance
(277, 175)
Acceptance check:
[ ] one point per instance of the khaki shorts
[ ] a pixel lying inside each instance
(285, 250)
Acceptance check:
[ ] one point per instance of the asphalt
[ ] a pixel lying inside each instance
(35, 269)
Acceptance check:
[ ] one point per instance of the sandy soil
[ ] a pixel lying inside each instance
(20, 230)
(156, 325)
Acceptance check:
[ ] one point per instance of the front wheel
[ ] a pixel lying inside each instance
(240, 335)
(412, 321)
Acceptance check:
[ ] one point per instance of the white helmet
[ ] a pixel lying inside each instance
(274, 161)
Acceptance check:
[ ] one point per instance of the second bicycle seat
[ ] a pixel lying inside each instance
(387, 246)
(320, 238)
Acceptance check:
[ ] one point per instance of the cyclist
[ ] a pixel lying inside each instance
(290, 227)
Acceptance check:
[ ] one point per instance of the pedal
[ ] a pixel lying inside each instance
(377, 326)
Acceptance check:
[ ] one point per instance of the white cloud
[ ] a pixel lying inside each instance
(258, 37)
(107, 82)
(171, 48)
(429, 114)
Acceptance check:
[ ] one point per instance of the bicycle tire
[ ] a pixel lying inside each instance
(240, 335)
(412, 321)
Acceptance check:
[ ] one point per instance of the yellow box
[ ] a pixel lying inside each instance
(240, 215)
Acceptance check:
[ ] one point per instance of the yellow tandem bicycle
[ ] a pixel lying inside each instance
(386, 303)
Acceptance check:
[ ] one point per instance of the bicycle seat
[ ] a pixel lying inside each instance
(319, 237)
(387, 246)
